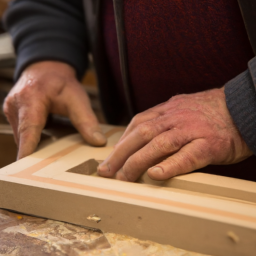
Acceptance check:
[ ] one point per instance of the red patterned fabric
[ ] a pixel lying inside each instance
(176, 47)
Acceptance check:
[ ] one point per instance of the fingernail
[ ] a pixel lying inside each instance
(156, 170)
(100, 137)
(103, 168)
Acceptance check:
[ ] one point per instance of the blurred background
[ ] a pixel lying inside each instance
(7, 60)
(57, 126)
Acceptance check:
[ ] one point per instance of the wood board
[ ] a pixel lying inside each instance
(196, 212)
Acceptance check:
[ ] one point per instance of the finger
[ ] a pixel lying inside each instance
(11, 113)
(83, 118)
(139, 119)
(191, 157)
(14, 124)
(154, 152)
(29, 139)
(142, 135)
(31, 123)
(153, 113)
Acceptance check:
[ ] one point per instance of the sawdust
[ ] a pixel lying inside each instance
(129, 246)
(36, 236)
(25, 235)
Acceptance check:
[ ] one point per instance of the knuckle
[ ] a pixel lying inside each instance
(55, 82)
(18, 97)
(177, 99)
(27, 94)
(23, 128)
(174, 98)
(164, 145)
(158, 144)
(8, 100)
(8, 106)
(190, 161)
(136, 119)
(145, 131)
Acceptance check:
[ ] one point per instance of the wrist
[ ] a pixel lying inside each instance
(50, 67)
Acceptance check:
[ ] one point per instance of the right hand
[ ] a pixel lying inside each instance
(48, 87)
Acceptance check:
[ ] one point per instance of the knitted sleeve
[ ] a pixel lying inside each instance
(241, 101)
(48, 30)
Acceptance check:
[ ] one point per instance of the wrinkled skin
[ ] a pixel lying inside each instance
(43, 88)
(184, 134)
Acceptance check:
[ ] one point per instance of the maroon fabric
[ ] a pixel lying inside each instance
(179, 47)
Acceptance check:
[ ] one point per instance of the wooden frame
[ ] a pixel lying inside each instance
(198, 212)
(211, 185)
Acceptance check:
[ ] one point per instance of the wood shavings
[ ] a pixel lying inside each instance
(36, 236)
(233, 237)
(94, 217)
(128, 246)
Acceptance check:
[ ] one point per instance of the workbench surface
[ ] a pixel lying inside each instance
(25, 235)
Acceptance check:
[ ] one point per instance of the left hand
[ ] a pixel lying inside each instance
(186, 133)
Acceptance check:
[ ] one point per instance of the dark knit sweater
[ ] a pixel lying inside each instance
(173, 47)
(177, 47)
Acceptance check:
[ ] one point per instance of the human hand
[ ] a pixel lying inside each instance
(43, 88)
(186, 133)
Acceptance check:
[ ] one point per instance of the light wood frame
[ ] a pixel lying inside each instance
(198, 212)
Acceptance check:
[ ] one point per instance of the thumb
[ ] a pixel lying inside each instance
(189, 158)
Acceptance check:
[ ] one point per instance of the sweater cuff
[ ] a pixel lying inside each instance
(241, 102)
(48, 30)
(47, 51)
